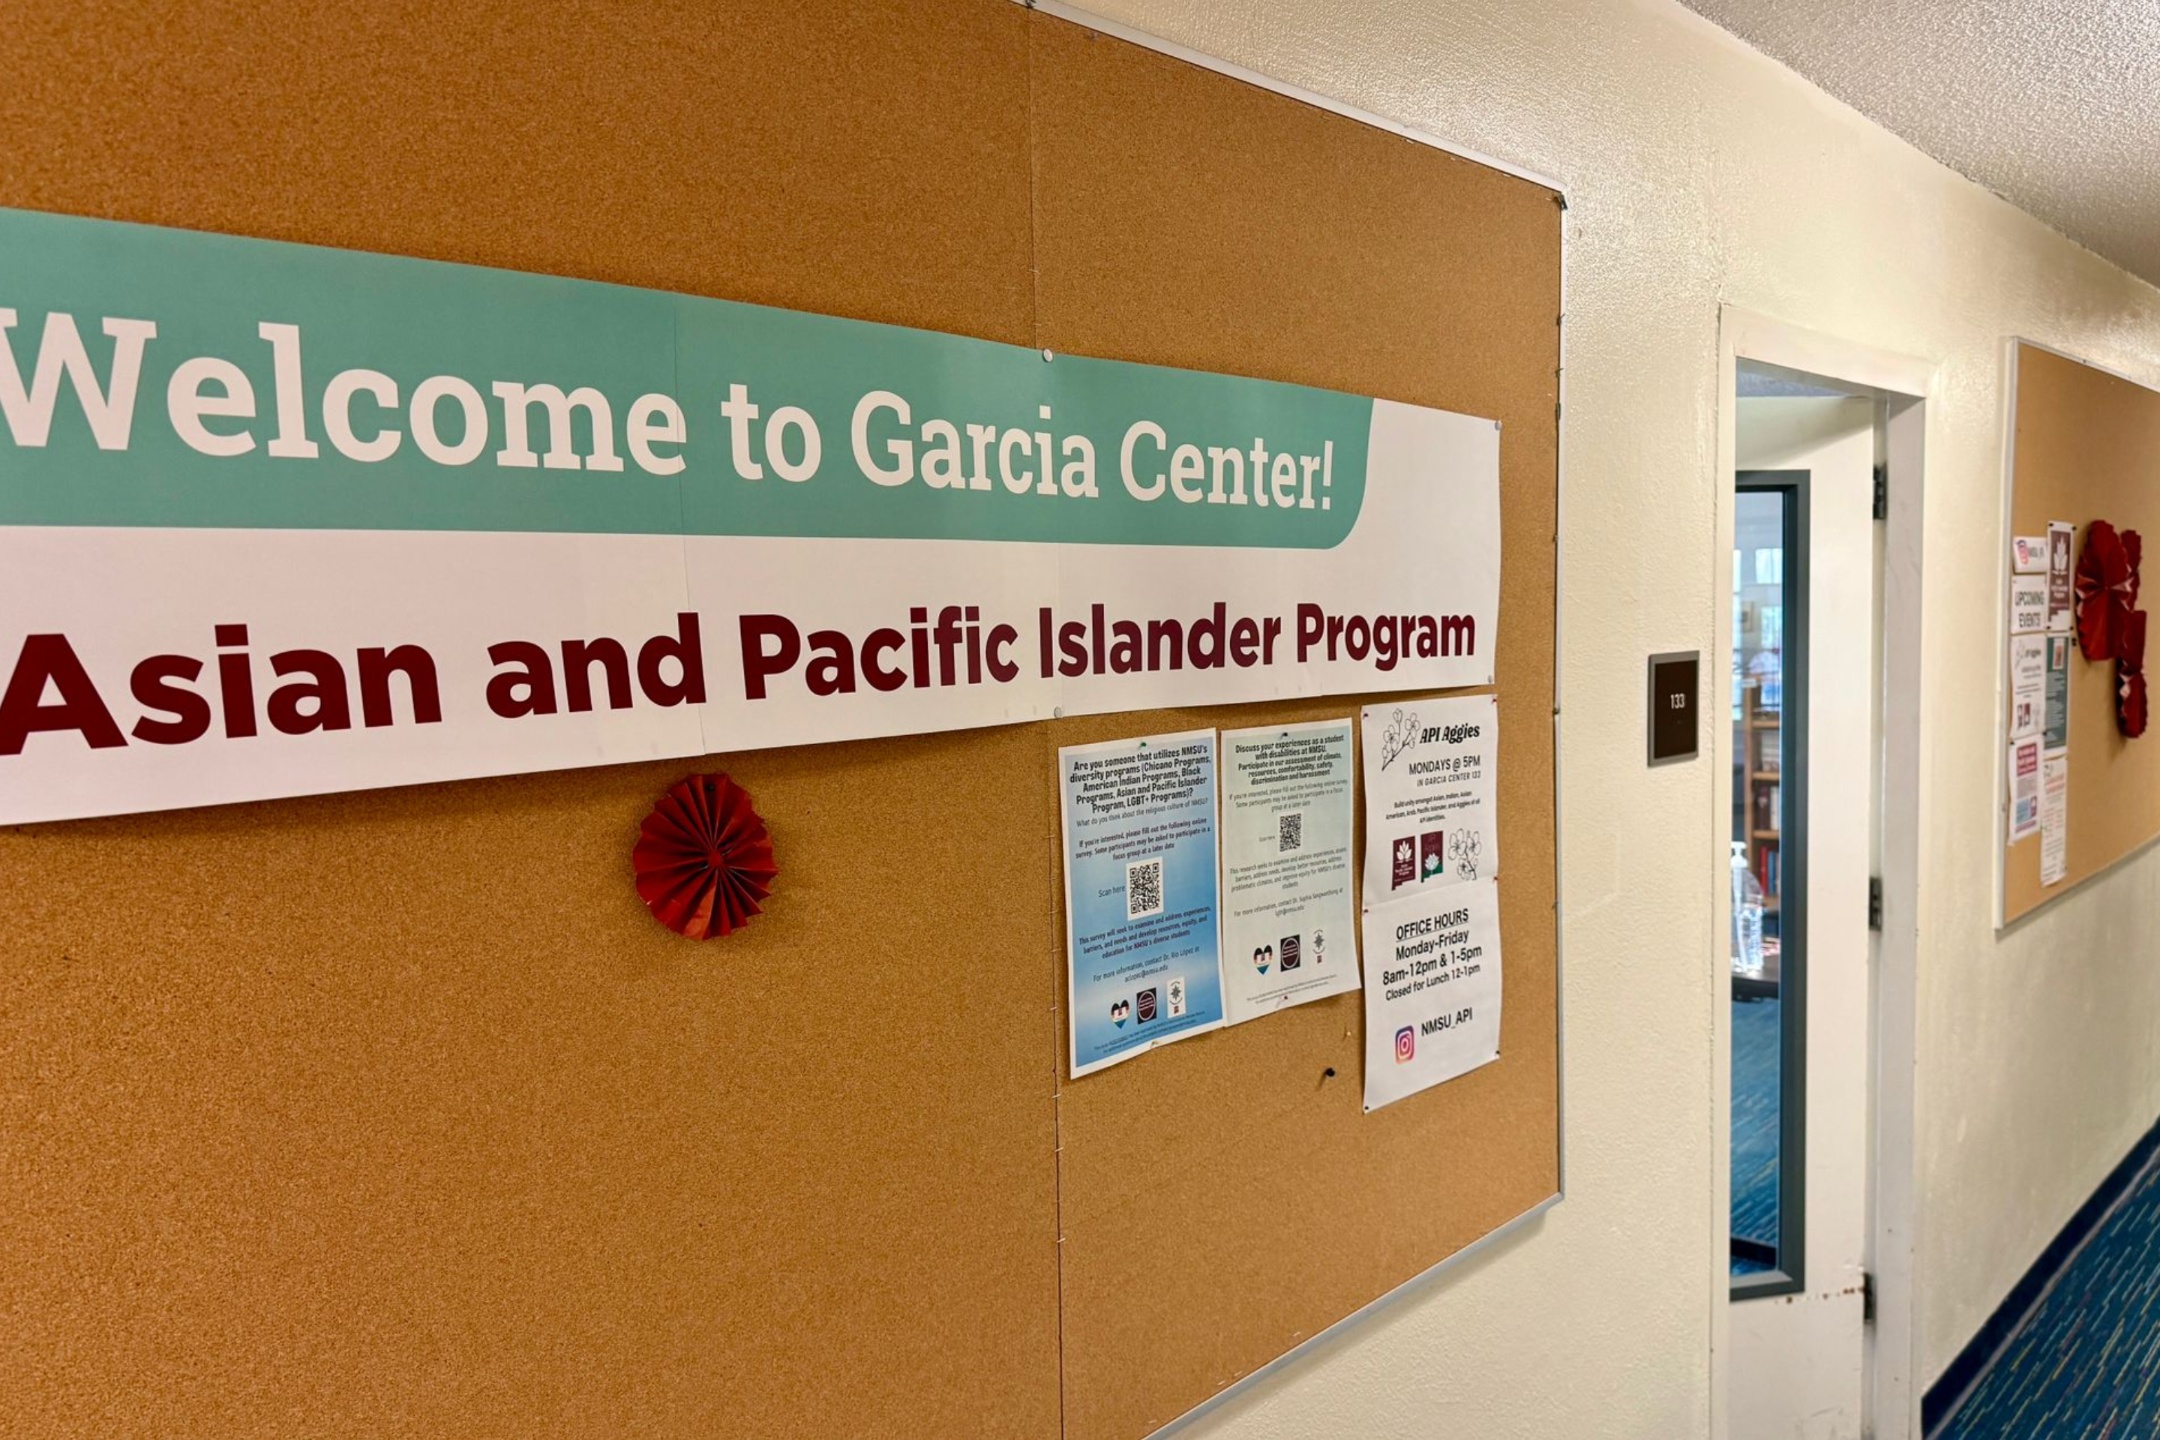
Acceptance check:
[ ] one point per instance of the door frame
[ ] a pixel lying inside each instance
(1905, 385)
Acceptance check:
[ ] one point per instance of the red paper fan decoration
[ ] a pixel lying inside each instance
(704, 859)
(2107, 587)
(2109, 624)
(2130, 703)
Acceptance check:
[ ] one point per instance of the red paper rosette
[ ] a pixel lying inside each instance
(2107, 587)
(703, 858)
(2130, 704)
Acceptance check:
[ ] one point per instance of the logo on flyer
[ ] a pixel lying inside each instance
(1290, 958)
(1405, 868)
(1120, 1012)
(1174, 993)
(1147, 1004)
(1431, 854)
(1405, 1045)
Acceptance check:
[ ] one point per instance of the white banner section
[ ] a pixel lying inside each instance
(162, 667)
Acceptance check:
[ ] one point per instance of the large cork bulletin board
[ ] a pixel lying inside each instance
(2085, 446)
(393, 1114)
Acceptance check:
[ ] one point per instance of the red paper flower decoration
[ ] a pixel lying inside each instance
(703, 858)
(2107, 587)
(2130, 675)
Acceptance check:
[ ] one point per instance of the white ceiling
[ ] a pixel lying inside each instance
(2053, 104)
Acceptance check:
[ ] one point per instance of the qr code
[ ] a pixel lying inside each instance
(1143, 888)
(1289, 831)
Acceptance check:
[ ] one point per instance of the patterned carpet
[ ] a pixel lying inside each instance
(1754, 1125)
(2087, 1364)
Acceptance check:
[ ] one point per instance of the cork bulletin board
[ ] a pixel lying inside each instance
(2085, 446)
(394, 1114)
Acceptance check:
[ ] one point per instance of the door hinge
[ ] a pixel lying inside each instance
(1874, 902)
(1882, 492)
(1867, 1297)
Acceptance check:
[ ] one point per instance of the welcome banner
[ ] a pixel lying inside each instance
(278, 520)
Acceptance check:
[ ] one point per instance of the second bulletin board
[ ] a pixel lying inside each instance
(393, 1113)
(2085, 446)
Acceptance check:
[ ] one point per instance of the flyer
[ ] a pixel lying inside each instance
(2028, 673)
(1141, 964)
(2029, 555)
(2025, 707)
(2028, 661)
(2024, 773)
(1429, 813)
(2028, 603)
(1433, 1010)
(1288, 920)
(2054, 818)
(2058, 574)
(2055, 726)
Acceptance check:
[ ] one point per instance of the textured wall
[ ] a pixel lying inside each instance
(1700, 173)
(2051, 103)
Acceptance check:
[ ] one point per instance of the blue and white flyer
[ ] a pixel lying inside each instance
(1142, 965)
(1289, 931)
(1432, 1004)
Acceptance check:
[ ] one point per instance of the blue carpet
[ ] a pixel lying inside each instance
(2087, 1363)
(1755, 1040)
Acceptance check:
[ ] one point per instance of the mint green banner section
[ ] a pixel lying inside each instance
(295, 387)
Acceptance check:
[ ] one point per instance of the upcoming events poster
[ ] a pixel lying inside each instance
(1142, 965)
(1429, 769)
(1432, 1007)
(1288, 931)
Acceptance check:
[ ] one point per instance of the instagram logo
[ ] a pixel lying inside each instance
(1405, 1045)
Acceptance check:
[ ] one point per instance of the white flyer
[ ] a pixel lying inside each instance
(2024, 773)
(2054, 818)
(2026, 708)
(1433, 1010)
(1429, 812)
(1288, 918)
(2029, 554)
(2060, 593)
(2028, 685)
(2028, 603)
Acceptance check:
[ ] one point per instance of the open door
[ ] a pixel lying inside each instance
(1804, 710)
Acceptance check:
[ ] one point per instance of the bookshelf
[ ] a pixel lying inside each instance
(1761, 736)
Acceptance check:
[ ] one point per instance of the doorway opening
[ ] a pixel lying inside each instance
(1816, 854)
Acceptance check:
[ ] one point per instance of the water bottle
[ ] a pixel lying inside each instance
(1747, 898)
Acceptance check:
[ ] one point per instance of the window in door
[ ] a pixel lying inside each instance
(1768, 853)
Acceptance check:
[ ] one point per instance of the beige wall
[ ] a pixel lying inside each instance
(1699, 173)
